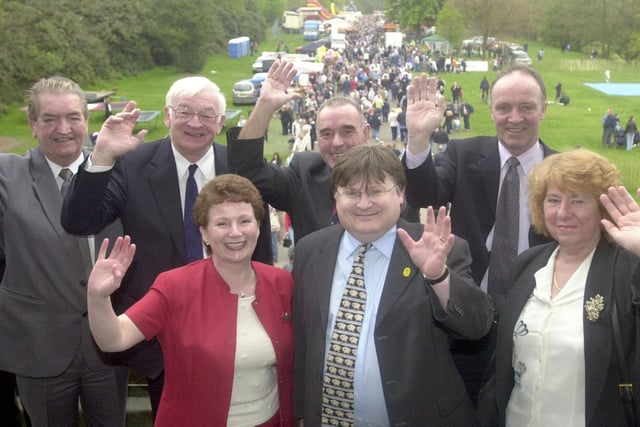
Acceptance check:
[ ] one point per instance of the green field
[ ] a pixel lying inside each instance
(564, 127)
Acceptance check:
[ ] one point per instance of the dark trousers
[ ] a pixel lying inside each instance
(53, 401)
(9, 411)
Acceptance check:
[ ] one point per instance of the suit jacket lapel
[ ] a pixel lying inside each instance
(48, 194)
(322, 271)
(597, 334)
(488, 168)
(402, 271)
(164, 185)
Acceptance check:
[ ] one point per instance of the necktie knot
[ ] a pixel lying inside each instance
(65, 174)
(192, 169)
(513, 162)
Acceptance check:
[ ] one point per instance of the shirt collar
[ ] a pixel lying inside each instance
(528, 160)
(384, 244)
(205, 164)
(56, 168)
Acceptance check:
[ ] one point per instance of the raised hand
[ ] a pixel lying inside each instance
(430, 252)
(275, 87)
(273, 95)
(625, 214)
(116, 136)
(108, 271)
(425, 109)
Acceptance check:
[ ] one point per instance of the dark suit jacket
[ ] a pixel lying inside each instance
(303, 189)
(142, 190)
(412, 332)
(43, 294)
(603, 403)
(468, 177)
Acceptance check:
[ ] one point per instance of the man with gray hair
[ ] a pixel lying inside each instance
(151, 188)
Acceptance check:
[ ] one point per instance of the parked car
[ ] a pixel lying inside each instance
(520, 57)
(244, 92)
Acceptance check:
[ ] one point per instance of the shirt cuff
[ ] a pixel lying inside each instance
(89, 167)
(415, 160)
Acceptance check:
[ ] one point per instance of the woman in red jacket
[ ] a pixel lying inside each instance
(223, 322)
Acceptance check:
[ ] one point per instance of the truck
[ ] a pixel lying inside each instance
(311, 30)
(292, 22)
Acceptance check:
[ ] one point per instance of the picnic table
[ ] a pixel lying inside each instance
(231, 117)
(101, 99)
(148, 117)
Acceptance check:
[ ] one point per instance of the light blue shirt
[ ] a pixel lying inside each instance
(369, 403)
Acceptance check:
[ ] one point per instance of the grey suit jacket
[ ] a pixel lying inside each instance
(43, 301)
(602, 401)
(413, 332)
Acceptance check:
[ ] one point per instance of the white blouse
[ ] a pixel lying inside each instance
(548, 353)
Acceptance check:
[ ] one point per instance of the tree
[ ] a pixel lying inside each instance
(410, 14)
(451, 24)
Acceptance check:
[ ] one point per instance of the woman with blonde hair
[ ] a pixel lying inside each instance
(556, 360)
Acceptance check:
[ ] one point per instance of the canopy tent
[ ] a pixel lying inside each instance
(436, 44)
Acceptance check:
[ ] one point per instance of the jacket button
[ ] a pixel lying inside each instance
(83, 283)
(84, 314)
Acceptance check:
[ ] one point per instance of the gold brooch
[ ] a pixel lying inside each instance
(406, 272)
(594, 307)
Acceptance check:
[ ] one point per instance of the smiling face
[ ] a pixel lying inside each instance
(60, 126)
(192, 136)
(339, 128)
(517, 109)
(572, 219)
(231, 232)
(368, 210)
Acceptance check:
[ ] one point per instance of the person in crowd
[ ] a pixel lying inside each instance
(151, 187)
(45, 337)
(302, 189)
(608, 128)
(484, 89)
(393, 123)
(375, 284)
(470, 177)
(274, 219)
(223, 322)
(466, 109)
(373, 120)
(630, 130)
(286, 117)
(558, 91)
(275, 159)
(556, 360)
(303, 140)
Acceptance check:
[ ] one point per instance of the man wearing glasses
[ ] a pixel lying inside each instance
(150, 189)
(376, 302)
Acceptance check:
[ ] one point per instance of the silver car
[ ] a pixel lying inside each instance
(244, 92)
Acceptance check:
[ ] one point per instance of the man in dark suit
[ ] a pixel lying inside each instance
(302, 189)
(44, 331)
(469, 178)
(397, 367)
(146, 189)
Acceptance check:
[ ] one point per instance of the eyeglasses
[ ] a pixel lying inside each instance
(186, 114)
(372, 193)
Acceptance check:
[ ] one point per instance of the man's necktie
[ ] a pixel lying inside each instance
(337, 393)
(504, 248)
(83, 243)
(192, 237)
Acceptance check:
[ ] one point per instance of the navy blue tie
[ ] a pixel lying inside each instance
(192, 237)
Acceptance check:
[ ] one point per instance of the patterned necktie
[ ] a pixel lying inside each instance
(504, 248)
(192, 237)
(337, 392)
(83, 243)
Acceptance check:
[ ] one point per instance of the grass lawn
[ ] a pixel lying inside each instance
(564, 127)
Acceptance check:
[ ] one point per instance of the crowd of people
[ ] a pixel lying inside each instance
(513, 303)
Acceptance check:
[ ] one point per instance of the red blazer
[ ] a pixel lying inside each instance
(193, 315)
